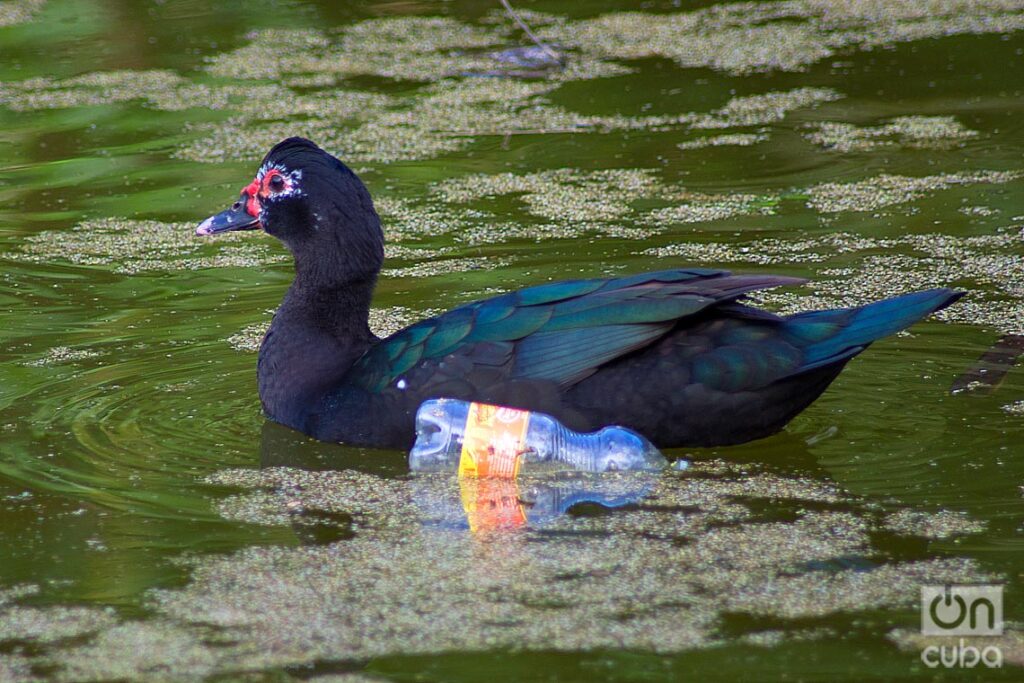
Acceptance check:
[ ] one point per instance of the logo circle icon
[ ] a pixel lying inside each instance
(948, 599)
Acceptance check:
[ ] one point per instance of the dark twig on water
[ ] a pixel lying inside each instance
(988, 372)
(529, 32)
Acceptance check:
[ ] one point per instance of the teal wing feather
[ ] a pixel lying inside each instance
(560, 332)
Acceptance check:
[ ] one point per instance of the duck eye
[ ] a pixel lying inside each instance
(276, 183)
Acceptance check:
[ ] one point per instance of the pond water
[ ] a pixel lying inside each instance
(153, 526)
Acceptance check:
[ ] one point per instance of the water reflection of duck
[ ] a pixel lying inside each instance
(673, 354)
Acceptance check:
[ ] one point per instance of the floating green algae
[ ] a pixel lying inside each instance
(885, 190)
(133, 246)
(19, 11)
(978, 211)
(47, 625)
(914, 132)
(559, 195)
(989, 266)
(141, 650)
(745, 37)
(59, 355)
(383, 322)
(1010, 643)
(701, 208)
(660, 576)
(1015, 408)
(578, 202)
(92, 89)
(733, 139)
(440, 117)
(416, 49)
(770, 107)
(451, 106)
(448, 115)
(935, 525)
(11, 593)
(446, 266)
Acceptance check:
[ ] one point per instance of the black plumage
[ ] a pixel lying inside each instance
(674, 354)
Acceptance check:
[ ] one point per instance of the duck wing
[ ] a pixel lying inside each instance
(556, 334)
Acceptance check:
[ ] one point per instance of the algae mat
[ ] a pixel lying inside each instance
(153, 527)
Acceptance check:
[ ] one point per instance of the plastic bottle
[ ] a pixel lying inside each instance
(481, 440)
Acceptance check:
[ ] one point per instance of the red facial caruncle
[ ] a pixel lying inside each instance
(268, 182)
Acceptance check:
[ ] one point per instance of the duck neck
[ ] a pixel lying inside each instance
(320, 330)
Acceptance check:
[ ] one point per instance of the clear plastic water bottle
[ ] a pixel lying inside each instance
(481, 440)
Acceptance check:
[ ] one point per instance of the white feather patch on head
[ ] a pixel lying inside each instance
(292, 188)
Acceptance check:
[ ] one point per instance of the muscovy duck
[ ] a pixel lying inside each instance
(673, 354)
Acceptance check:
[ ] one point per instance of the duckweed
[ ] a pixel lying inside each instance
(657, 577)
(744, 37)
(737, 139)
(936, 525)
(63, 354)
(383, 322)
(52, 624)
(887, 190)
(922, 132)
(19, 11)
(1015, 408)
(1010, 644)
(988, 265)
(144, 246)
(445, 266)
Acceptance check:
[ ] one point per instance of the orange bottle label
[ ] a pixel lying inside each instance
(492, 504)
(493, 441)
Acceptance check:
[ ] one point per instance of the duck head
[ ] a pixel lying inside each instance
(314, 204)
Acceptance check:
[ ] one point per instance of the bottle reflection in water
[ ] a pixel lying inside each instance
(492, 504)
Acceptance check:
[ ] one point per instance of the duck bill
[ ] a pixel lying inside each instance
(235, 218)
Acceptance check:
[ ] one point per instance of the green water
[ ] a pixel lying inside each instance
(133, 544)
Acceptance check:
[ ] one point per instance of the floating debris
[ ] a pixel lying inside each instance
(1010, 644)
(989, 266)
(909, 132)
(706, 208)
(743, 37)
(887, 190)
(659, 576)
(249, 338)
(1015, 408)
(144, 246)
(758, 110)
(734, 139)
(414, 49)
(982, 211)
(46, 625)
(12, 593)
(988, 372)
(62, 354)
(935, 525)
(19, 11)
(404, 219)
(383, 323)
(447, 266)
(561, 195)
(142, 650)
